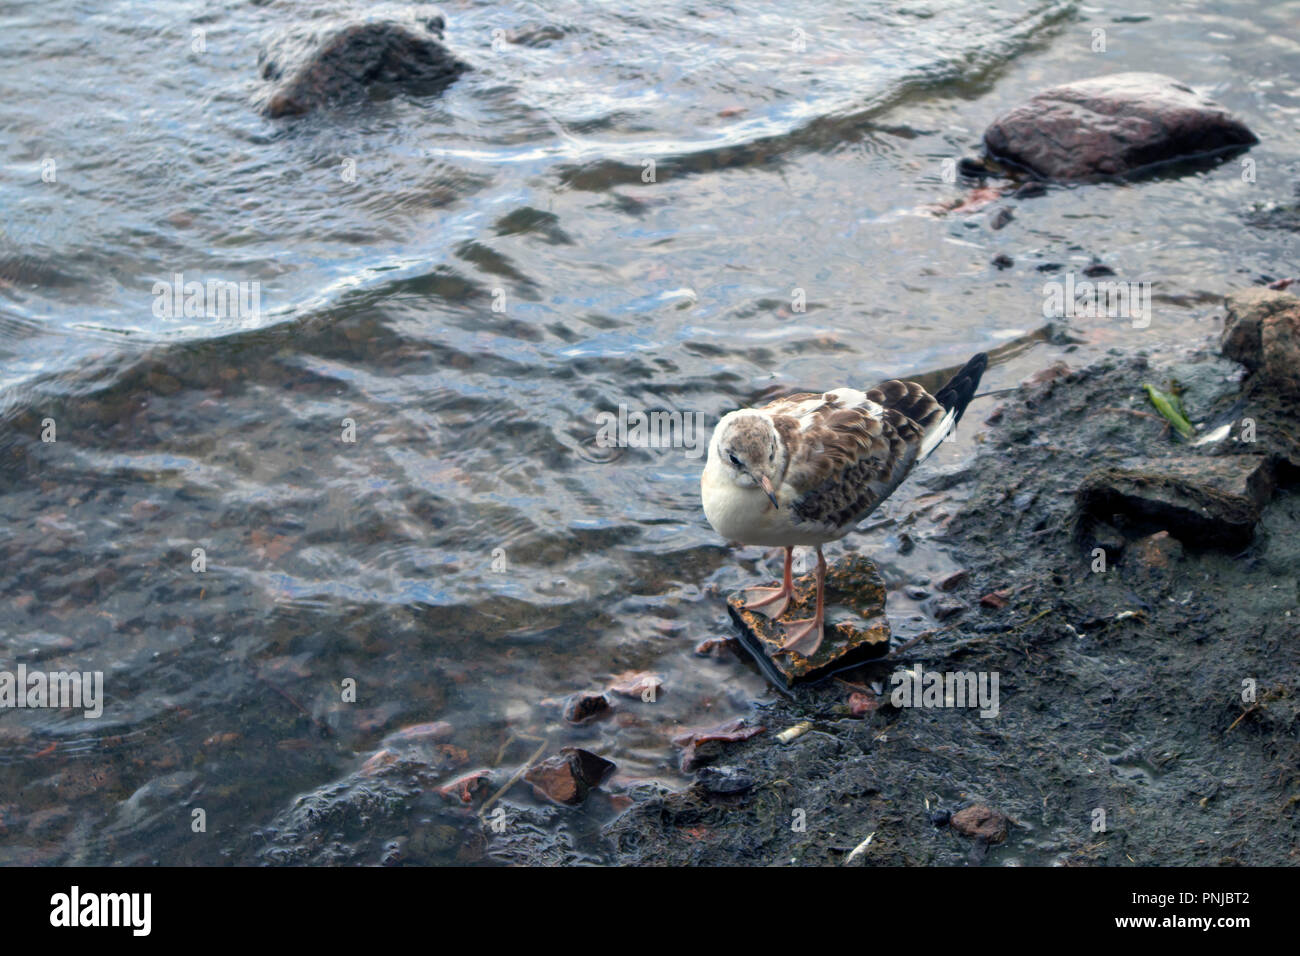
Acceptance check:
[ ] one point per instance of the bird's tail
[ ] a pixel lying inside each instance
(954, 397)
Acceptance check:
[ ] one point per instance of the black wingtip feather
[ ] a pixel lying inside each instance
(961, 387)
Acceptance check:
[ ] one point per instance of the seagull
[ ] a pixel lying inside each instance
(804, 470)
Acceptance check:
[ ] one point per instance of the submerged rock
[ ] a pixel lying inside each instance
(1112, 126)
(419, 733)
(569, 776)
(353, 820)
(853, 584)
(343, 63)
(701, 746)
(467, 787)
(581, 707)
(643, 684)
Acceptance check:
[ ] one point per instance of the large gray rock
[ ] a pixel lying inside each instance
(343, 62)
(1112, 126)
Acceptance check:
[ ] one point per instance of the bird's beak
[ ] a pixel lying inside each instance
(766, 484)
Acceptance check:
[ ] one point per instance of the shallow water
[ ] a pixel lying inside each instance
(470, 280)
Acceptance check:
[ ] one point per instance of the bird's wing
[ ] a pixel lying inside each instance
(910, 399)
(847, 450)
(929, 413)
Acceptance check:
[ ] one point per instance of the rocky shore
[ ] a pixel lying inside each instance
(1130, 597)
(1112, 675)
(1147, 708)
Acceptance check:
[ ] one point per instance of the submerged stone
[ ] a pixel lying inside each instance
(856, 627)
(585, 706)
(569, 776)
(701, 746)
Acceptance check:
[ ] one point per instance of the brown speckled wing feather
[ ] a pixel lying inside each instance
(845, 459)
(910, 399)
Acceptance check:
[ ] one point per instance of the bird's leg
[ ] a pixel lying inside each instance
(771, 602)
(805, 637)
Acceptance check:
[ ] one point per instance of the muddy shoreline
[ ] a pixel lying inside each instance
(1121, 735)
(1121, 692)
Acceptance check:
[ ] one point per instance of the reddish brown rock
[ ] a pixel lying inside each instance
(996, 599)
(701, 746)
(709, 645)
(981, 822)
(1112, 126)
(569, 776)
(582, 707)
(954, 580)
(554, 779)
(465, 788)
(860, 703)
(856, 626)
(377, 763)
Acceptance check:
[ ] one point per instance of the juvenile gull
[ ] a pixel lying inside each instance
(806, 469)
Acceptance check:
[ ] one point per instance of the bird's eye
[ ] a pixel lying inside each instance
(735, 461)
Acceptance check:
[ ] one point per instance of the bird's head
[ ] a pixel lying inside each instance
(750, 451)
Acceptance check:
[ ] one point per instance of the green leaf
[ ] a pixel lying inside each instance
(1171, 408)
